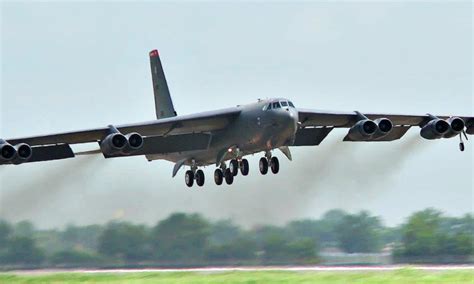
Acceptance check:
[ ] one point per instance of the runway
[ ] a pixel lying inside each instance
(433, 268)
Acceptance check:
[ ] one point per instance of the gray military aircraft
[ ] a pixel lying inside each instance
(215, 137)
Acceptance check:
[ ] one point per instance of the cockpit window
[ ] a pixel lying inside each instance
(291, 104)
(284, 103)
(276, 105)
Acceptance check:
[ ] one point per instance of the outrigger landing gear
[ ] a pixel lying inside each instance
(461, 142)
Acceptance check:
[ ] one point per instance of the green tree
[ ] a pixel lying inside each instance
(24, 229)
(181, 238)
(23, 250)
(359, 233)
(5, 233)
(124, 240)
(421, 235)
(328, 227)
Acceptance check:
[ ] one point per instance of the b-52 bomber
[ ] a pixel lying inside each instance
(224, 137)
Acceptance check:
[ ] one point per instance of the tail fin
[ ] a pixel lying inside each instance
(163, 103)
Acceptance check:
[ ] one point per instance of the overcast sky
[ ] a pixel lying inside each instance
(78, 65)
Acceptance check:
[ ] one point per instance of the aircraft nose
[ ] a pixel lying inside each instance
(290, 115)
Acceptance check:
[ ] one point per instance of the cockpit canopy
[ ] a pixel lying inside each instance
(278, 104)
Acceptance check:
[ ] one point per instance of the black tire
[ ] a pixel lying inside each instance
(263, 166)
(229, 177)
(189, 178)
(244, 167)
(218, 176)
(234, 167)
(200, 178)
(461, 147)
(275, 165)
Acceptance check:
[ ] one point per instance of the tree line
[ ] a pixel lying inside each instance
(191, 240)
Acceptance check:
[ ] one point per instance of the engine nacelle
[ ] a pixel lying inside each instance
(23, 153)
(435, 129)
(457, 126)
(384, 126)
(134, 140)
(363, 130)
(114, 143)
(7, 152)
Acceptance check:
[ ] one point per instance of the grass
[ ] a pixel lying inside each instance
(398, 276)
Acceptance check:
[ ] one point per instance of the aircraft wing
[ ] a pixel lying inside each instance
(56, 146)
(316, 124)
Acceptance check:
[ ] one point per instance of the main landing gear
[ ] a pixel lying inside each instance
(269, 161)
(191, 175)
(228, 173)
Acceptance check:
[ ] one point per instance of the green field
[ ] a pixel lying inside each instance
(399, 276)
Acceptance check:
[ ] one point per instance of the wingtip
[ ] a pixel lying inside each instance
(154, 53)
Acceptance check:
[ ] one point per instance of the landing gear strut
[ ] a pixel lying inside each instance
(461, 142)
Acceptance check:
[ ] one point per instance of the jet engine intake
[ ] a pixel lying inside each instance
(457, 126)
(435, 129)
(23, 152)
(114, 143)
(363, 130)
(7, 152)
(384, 125)
(135, 141)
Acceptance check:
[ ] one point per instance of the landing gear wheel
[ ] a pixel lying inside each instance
(218, 176)
(229, 177)
(461, 146)
(244, 167)
(200, 178)
(274, 165)
(189, 178)
(263, 166)
(234, 167)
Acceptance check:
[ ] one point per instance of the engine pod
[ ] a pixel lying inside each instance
(362, 130)
(113, 144)
(7, 152)
(435, 129)
(457, 126)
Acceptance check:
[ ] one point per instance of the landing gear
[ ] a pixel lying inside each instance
(461, 142)
(263, 166)
(234, 167)
(189, 178)
(229, 176)
(244, 167)
(218, 176)
(199, 176)
(274, 165)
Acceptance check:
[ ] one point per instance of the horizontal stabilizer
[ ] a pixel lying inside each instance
(311, 136)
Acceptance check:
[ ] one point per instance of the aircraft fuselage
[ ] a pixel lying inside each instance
(256, 129)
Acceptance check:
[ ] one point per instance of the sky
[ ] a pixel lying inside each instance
(78, 65)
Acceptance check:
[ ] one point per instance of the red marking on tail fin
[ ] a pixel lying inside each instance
(154, 53)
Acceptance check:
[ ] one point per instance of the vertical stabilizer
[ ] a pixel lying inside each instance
(163, 103)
